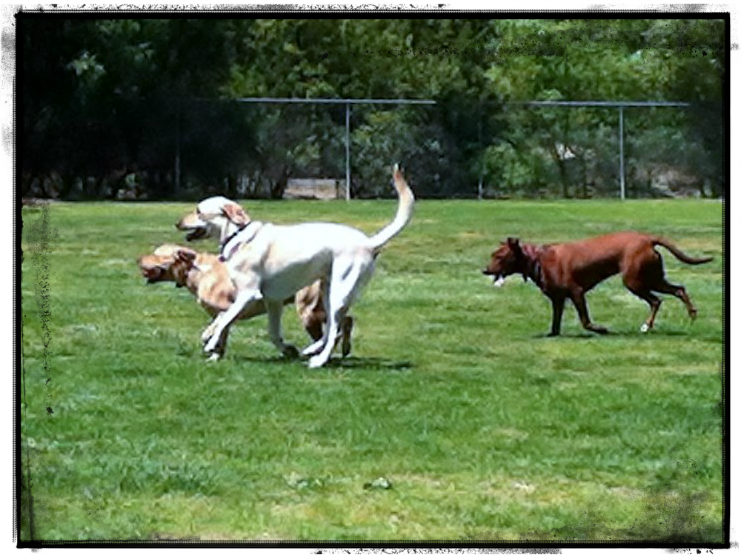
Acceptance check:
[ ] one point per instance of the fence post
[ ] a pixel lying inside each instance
(622, 158)
(481, 169)
(177, 148)
(347, 151)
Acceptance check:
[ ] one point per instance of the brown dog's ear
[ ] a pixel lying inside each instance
(236, 214)
(514, 244)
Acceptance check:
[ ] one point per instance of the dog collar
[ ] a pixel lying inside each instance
(232, 235)
(239, 238)
(533, 271)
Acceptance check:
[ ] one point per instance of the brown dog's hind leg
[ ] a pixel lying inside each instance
(652, 279)
(580, 302)
(677, 291)
(638, 289)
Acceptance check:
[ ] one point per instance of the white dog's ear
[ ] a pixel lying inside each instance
(236, 214)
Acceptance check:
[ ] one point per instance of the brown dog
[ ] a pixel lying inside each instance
(207, 278)
(570, 270)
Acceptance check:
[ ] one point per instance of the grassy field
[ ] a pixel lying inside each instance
(482, 427)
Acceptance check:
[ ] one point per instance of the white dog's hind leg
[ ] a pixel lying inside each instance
(346, 282)
(314, 348)
(225, 319)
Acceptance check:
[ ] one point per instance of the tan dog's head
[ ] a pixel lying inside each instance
(168, 263)
(214, 217)
(506, 260)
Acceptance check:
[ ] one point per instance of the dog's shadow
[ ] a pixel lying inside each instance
(369, 363)
(336, 363)
(613, 334)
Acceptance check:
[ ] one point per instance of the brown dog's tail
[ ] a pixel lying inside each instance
(674, 250)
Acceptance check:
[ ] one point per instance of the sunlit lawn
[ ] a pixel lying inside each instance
(482, 427)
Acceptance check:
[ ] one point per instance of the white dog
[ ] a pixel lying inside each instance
(214, 217)
(223, 218)
(272, 262)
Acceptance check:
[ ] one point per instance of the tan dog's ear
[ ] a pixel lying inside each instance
(236, 214)
(185, 255)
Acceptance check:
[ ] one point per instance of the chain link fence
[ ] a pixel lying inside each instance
(189, 149)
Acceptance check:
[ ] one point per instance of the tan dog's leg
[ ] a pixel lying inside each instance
(345, 335)
(347, 324)
(320, 316)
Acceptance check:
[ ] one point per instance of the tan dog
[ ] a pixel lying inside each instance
(570, 270)
(207, 278)
(270, 262)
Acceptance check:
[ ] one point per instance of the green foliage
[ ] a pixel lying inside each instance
(109, 98)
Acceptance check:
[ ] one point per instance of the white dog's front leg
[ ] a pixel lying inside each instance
(209, 330)
(225, 319)
(275, 310)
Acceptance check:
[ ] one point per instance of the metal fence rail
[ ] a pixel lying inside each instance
(621, 106)
(348, 102)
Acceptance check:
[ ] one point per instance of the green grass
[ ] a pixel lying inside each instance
(485, 428)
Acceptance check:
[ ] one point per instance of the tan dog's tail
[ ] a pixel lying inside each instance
(674, 250)
(403, 213)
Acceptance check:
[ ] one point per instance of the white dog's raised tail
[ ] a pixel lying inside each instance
(403, 213)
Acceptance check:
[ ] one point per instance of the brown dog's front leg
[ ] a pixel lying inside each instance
(557, 303)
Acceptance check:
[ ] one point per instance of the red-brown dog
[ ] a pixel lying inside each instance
(569, 270)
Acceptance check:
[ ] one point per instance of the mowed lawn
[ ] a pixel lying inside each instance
(479, 426)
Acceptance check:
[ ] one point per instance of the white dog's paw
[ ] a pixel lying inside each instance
(645, 327)
(214, 357)
(317, 361)
(498, 282)
(313, 349)
(211, 344)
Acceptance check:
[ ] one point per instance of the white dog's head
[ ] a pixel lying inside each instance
(214, 217)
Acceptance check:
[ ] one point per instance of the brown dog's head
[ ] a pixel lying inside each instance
(214, 217)
(168, 263)
(507, 259)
